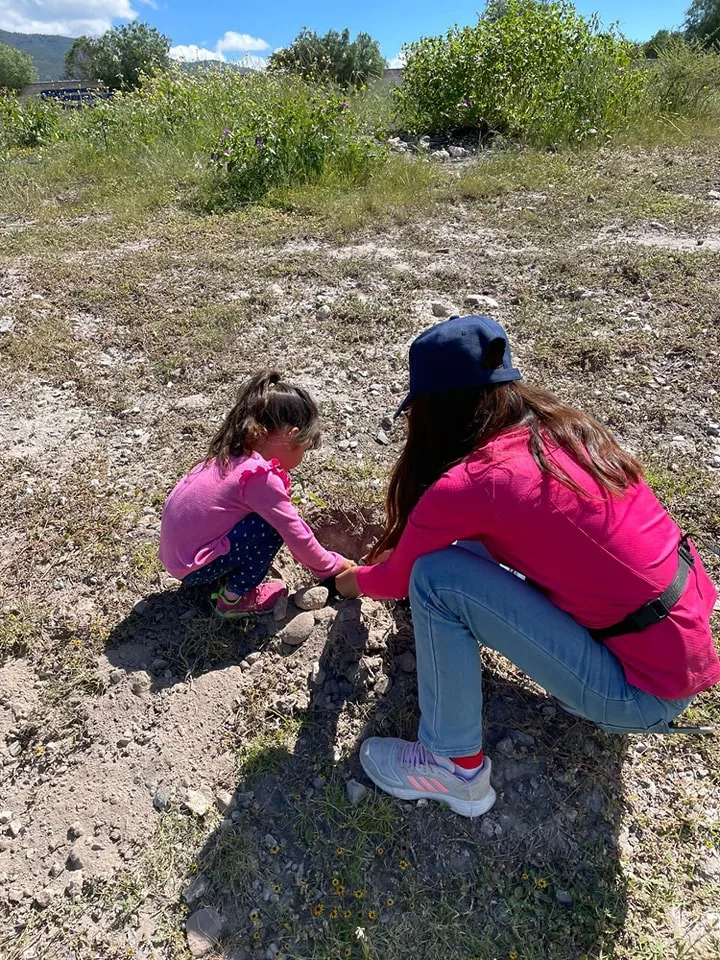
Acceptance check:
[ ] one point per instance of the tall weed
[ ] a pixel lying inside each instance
(684, 81)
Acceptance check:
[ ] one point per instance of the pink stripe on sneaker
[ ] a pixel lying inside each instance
(441, 787)
(413, 783)
(428, 785)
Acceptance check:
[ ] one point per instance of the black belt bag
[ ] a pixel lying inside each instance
(655, 611)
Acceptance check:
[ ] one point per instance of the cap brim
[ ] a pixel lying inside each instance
(403, 406)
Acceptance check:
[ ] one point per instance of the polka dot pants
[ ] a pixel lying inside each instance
(253, 546)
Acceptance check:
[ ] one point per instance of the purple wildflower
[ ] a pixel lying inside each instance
(227, 133)
(228, 152)
(259, 143)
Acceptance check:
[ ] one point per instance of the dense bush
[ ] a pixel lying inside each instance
(531, 70)
(120, 56)
(334, 58)
(27, 123)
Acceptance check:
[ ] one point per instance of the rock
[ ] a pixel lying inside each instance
(406, 662)
(197, 803)
(195, 890)
(382, 438)
(298, 629)
(43, 898)
(506, 746)
(55, 870)
(162, 798)
(280, 609)
(74, 861)
(711, 868)
(125, 740)
(5, 817)
(440, 155)
(115, 835)
(457, 153)
(383, 685)
(15, 828)
(140, 607)
(195, 402)
(75, 830)
(116, 676)
(253, 657)
(317, 674)
(74, 888)
(311, 598)
(564, 898)
(355, 792)
(522, 739)
(270, 841)
(440, 309)
(203, 930)
(7, 324)
(15, 895)
(224, 800)
(714, 194)
(159, 664)
(323, 313)
(478, 301)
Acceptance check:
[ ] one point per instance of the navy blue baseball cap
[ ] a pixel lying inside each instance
(460, 352)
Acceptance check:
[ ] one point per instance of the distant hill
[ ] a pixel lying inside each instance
(47, 52)
(193, 66)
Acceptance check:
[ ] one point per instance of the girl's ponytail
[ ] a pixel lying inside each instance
(264, 403)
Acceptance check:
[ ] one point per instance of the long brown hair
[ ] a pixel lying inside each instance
(445, 427)
(265, 403)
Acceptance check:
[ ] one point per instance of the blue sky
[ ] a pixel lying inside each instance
(230, 30)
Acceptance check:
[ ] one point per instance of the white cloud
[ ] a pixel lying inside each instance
(70, 18)
(191, 52)
(397, 62)
(240, 42)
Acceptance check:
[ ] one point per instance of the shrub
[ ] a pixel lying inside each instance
(120, 56)
(531, 70)
(27, 123)
(684, 80)
(333, 58)
(16, 68)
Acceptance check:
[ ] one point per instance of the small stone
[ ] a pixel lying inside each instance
(382, 438)
(55, 870)
(387, 423)
(15, 828)
(74, 861)
(406, 662)
(270, 841)
(116, 676)
(272, 952)
(162, 798)
(5, 817)
(317, 674)
(15, 895)
(203, 930)
(253, 657)
(7, 324)
(440, 155)
(355, 792)
(478, 301)
(43, 898)
(311, 598)
(74, 888)
(159, 664)
(115, 835)
(383, 685)
(75, 831)
(224, 800)
(458, 153)
(196, 803)
(323, 313)
(125, 740)
(714, 194)
(298, 629)
(140, 607)
(280, 609)
(197, 889)
(564, 898)
(506, 746)
(440, 309)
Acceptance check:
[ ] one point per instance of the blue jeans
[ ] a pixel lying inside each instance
(461, 600)
(253, 546)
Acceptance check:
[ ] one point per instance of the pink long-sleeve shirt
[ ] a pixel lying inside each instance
(599, 557)
(206, 504)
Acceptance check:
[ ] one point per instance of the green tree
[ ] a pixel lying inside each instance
(334, 57)
(702, 22)
(119, 56)
(16, 68)
(656, 43)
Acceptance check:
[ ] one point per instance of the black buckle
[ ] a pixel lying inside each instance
(650, 613)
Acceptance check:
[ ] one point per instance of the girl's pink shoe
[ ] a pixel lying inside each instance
(260, 599)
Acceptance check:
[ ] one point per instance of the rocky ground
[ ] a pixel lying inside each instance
(173, 785)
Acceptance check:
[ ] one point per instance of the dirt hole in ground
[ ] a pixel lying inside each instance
(349, 532)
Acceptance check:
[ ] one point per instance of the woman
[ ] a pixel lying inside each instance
(613, 616)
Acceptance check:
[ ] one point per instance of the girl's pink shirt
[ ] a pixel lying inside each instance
(597, 557)
(206, 504)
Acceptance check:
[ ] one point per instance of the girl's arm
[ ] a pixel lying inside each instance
(265, 494)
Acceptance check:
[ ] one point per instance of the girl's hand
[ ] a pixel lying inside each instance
(346, 582)
(347, 565)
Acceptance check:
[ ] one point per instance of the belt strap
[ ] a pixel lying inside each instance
(655, 611)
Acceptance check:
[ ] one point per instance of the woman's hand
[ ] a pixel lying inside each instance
(385, 555)
(346, 582)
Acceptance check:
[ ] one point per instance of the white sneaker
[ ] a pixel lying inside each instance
(411, 772)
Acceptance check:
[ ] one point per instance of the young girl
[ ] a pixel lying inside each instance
(613, 618)
(231, 514)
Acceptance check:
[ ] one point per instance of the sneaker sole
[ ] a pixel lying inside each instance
(465, 808)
